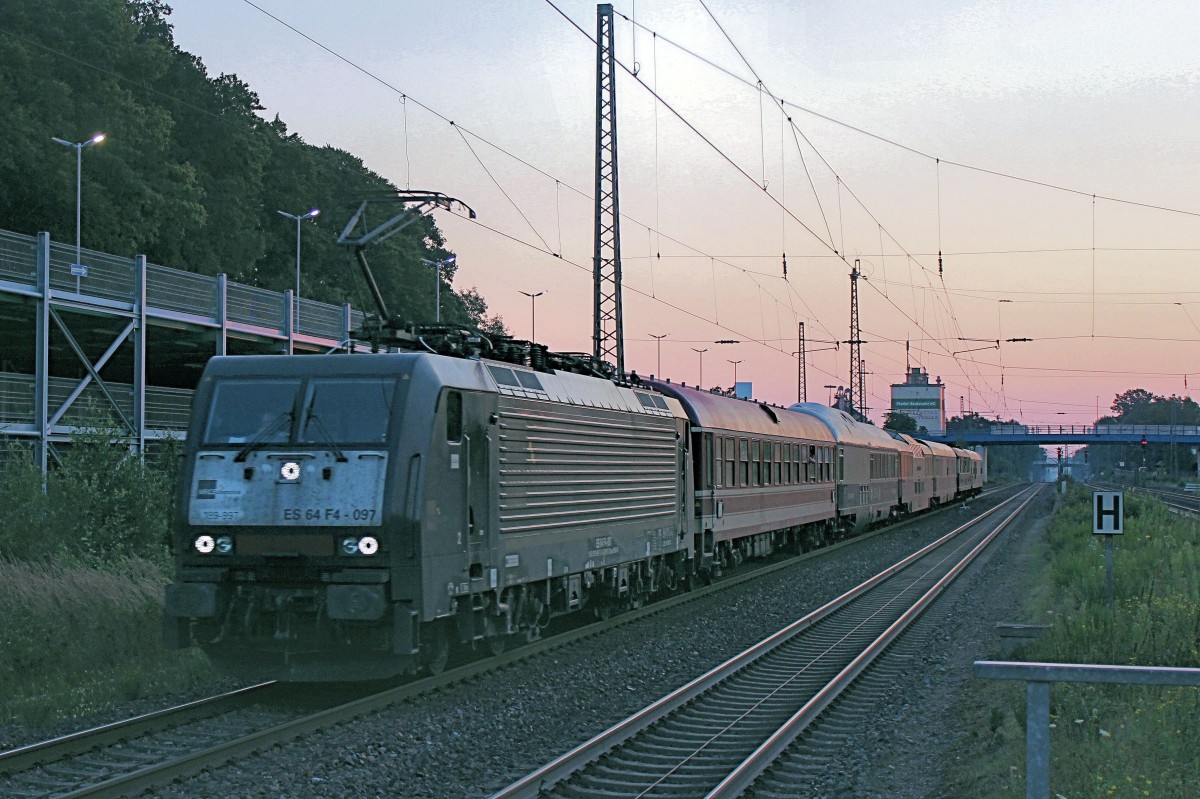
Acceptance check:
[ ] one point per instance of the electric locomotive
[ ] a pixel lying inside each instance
(352, 516)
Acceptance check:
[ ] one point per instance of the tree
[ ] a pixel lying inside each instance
(191, 175)
(900, 422)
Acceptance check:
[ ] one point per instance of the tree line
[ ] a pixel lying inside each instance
(190, 174)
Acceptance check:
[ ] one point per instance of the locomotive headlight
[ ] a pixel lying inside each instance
(204, 544)
(367, 545)
(290, 471)
(224, 544)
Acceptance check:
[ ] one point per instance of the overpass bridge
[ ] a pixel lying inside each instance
(1079, 435)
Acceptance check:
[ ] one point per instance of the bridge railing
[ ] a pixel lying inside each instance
(1095, 430)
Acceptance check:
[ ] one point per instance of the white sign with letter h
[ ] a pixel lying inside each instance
(1108, 513)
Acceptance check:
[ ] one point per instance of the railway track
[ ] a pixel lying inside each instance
(128, 757)
(716, 735)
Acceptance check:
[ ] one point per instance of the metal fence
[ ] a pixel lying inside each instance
(114, 278)
(1038, 677)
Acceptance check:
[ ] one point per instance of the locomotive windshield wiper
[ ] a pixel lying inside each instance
(267, 431)
(311, 416)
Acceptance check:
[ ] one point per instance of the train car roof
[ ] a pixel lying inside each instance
(938, 448)
(907, 442)
(845, 428)
(969, 454)
(462, 373)
(721, 412)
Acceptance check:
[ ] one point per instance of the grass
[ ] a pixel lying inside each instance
(83, 563)
(77, 638)
(1118, 741)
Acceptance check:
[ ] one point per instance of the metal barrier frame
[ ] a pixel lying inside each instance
(1037, 678)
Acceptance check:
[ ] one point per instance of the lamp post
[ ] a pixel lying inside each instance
(437, 290)
(299, 218)
(658, 343)
(700, 385)
(532, 312)
(78, 147)
(735, 363)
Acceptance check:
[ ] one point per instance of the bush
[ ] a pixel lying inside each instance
(100, 502)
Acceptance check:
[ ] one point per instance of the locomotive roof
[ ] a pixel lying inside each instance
(845, 428)
(720, 412)
(464, 373)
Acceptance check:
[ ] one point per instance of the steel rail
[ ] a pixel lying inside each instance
(532, 785)
(175, 768)
(26, 757)
(749, 770)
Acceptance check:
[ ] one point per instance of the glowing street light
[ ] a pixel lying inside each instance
(437, 291)
(299, 218)
(77, 267)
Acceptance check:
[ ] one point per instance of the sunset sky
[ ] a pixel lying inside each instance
(981, 129)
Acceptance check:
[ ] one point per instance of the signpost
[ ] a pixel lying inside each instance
(1108, 519)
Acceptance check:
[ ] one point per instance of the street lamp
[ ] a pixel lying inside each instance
(658, 343)
(735, 363)
(437, 291)
(532, 312)
(700, 385)
(78, 146)
(300, 218)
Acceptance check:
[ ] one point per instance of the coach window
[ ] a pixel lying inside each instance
(730, 462)
(796, 473)
(454, 417)
(756, 462)
(778, 463)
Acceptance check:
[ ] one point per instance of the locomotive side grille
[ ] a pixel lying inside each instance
(565, 467)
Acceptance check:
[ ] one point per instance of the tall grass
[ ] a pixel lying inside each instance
(75, 637)
(1118, 741)
(83, 562)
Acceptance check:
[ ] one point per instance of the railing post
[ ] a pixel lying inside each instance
(41, 366)
(1037, 740)
(222, 313)
(289, 320)
(139, 354)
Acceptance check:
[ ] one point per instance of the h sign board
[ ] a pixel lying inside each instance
(1108, 513)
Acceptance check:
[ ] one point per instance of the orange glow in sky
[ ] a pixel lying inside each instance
(1097, 97)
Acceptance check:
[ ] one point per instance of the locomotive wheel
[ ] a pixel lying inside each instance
(436, 651)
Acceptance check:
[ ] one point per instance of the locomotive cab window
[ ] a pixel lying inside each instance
(347, 411)
(251, 410)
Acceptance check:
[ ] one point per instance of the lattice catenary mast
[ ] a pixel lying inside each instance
(608, 340)
(858, 399)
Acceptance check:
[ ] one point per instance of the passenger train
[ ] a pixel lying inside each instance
(345, 517)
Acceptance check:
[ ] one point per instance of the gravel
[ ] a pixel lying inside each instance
(477, 737)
